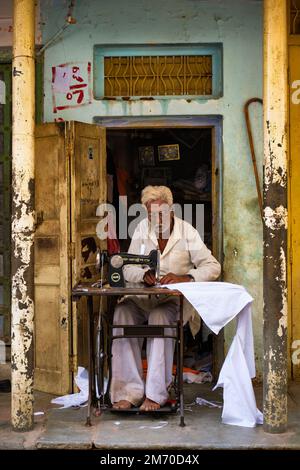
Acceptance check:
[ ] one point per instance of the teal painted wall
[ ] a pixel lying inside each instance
(235, 23)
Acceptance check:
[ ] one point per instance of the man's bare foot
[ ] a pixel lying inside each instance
(149, 405)
(122, 405)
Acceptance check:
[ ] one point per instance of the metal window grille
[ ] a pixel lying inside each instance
(158, 75)
(294, 16)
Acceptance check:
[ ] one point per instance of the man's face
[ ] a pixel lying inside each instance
(160, 217)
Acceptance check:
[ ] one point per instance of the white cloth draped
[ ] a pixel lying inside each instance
(218, 303)
(76, 399)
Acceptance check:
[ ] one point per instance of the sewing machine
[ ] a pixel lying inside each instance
(118, 261)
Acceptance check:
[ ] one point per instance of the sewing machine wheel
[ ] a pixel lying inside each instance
(100, 360)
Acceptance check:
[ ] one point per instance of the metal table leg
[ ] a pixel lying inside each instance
(91, 371)
(182, 423)
(90, 339)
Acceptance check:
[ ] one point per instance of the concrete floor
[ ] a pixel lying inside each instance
(58, 428)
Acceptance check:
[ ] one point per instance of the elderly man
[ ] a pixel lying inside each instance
(184, 258)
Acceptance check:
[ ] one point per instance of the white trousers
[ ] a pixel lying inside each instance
(127, 371)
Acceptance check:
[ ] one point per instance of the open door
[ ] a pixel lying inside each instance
(51, 267)
(88, 190)
(70, 181)
(294, 209)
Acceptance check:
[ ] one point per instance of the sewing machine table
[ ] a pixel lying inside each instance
(89, 291)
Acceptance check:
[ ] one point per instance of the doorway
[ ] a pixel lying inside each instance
(178, 158)
(184, 154)
(294, 211)
(5, 196)
(87, 162)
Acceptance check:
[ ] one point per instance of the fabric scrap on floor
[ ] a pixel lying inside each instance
(211, 404)
(76, 399)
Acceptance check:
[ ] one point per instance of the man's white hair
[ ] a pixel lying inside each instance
(152, 193)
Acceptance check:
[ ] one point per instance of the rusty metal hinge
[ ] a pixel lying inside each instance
(72, 363)
(71, 250)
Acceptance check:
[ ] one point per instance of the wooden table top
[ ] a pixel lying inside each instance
(87, 288)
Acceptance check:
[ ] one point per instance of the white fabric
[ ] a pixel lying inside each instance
(76, 399)
(218, 303)
(200, 378)
(127, 371)
(185, 253)
(211, 404)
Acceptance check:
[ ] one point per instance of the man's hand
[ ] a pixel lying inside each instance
(149, 278)
(172, 278)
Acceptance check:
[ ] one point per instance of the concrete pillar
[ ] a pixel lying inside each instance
(275, 216)
(23, 108)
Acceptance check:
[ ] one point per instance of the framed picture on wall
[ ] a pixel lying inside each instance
(146, 156)
(168, 152)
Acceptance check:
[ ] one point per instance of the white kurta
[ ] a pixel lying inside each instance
(185, 253)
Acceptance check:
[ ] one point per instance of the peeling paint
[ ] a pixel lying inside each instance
(271, 355)
(276, 162)
(22, 304)
(276, 218)
(275, 396)
(283, 321)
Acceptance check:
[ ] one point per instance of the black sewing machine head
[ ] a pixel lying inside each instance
(118, 261)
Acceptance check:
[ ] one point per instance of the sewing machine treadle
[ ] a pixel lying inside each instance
(103, 401)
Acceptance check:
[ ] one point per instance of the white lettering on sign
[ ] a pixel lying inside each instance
(296, 93)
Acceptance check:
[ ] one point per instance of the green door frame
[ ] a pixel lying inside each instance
(5, 203)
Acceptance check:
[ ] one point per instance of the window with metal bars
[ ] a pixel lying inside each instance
(160, 72)
(157, 76)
